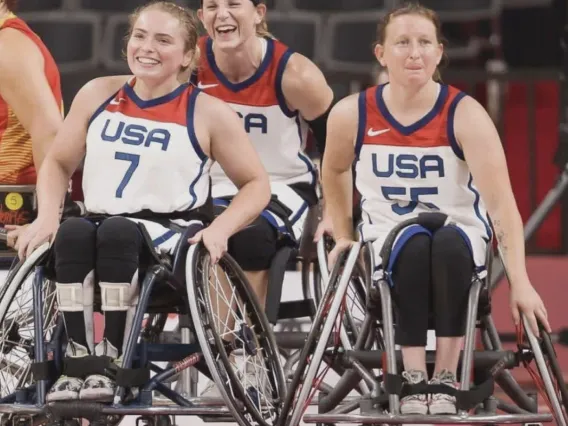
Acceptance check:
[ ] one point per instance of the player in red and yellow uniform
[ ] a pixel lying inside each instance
(31, 111)
(30, 99)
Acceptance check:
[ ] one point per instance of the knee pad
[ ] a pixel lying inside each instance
(78, 297)
(74, 249)
(254, 247)
(121, 297)
(119, 244)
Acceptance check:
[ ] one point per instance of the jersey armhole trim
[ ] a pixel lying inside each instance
(102, 107)
(278, 86)
(450, 127)
(190, 123)
(362, 120)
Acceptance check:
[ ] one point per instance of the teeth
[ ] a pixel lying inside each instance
(147, 61)
(226, 28)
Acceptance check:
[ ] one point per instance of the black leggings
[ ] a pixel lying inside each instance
(111, 250)
(432, 276)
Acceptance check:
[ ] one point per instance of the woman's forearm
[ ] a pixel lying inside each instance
(252, 198)
(338, 193)
(52, 184)
(509, 232)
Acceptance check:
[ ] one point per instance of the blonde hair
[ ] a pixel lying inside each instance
(187, 19)
(414, 9)
(262, 29)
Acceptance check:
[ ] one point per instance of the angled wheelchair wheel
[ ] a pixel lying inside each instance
(551, 359)
(551, 381)
(355, 298)
(17, 331)
(236, 339)
(329, 317)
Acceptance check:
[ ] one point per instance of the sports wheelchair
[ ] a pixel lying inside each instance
(375, 359)
(185, 284)
(290, 318)
(314, 276)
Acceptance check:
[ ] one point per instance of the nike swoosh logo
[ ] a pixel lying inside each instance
(200, 85)
(372, 132)
(117, 102)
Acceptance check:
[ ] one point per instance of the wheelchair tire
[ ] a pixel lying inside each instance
(214, 348)
(16, 322)
(545, 360)
(554, 368)
(295, 398)
(358, 290)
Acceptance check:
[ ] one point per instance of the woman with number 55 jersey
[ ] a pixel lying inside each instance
(423, 146)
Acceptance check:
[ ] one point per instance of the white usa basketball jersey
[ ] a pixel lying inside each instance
(278, 134)
(402, 171)
(144, 155)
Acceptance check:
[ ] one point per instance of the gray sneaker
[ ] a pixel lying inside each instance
(414, 404)
(67, 388)
(98, 387)
(441, 403)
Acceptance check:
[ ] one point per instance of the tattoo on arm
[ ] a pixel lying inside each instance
(501, 238)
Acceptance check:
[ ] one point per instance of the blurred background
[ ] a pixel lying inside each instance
(506, 53)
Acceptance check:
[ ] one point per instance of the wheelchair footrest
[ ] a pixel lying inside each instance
(296, 309)
(83, 408)
(74, 410)
(380, 418)
(218, 419)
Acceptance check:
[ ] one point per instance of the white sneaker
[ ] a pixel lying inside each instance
(98, 387)
(414, 404)
(441, 403)
(67, 388)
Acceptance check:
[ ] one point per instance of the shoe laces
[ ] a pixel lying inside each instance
(444, 377)
(414, 377)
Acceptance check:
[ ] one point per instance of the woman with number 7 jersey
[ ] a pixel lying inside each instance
(149, 141)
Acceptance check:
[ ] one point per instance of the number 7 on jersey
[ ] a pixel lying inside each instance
(134, 160)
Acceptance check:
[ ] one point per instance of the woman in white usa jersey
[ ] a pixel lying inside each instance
(421, 146)
(279, 95)
(149, 141)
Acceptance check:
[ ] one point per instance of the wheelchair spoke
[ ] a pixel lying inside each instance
(239, 348)
(17, 334)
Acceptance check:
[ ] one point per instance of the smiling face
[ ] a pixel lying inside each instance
(230, 23)
(410, 48)
(159, 46)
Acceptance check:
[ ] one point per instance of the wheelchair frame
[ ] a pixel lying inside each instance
(26, 403)
(381, 404)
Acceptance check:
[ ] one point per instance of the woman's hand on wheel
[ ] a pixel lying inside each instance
(14, 232)
(34, 235)
(325, 227)
(525, 300)
(214, 240)
(341, 245)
